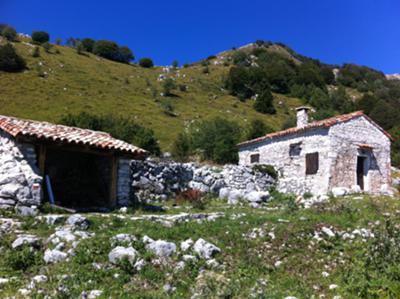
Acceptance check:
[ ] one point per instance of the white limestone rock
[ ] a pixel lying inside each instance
(54, 256)
(120, 253)
(30, 240)
(205, 249)
(78, 221)
(339, 191)
(185, 245)
(162, 248)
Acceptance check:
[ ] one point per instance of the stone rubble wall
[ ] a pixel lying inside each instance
(159, 181)
(20, 182)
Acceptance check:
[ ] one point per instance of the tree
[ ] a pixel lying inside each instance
(10, 61)
(40, 37)
(181, 147)
(308, 74)
(257, 129)
(175, 64)
(238, 83)
(80, 49)
(168, 86)
(125, 55)
(146, 63)
(106, 49)
(9, 33)
(367, 103)
(216, 140)
(88, 44)
(264, 103)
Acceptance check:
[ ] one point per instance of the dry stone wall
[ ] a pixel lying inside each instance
(19, 179)
(152, 181)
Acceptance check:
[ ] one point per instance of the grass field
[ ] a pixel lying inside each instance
(344, 248)
(67, 82)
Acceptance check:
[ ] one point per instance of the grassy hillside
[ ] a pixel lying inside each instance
(66, 82)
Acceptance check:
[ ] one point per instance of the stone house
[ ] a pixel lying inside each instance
(76, 167)
(348, 152)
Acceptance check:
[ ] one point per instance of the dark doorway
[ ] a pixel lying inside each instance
(79, 181)
(360, 171)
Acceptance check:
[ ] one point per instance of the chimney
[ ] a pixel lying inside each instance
(302, 116)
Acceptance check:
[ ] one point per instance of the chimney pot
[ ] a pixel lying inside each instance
(302, 116)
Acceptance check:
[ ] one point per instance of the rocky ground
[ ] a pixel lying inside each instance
(345, 247)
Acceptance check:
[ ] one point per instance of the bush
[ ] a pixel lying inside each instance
(122, 128)
(146, 63)
(168, 86)
(10, 61)
(47, 47)
(40, 37)
(36, 52)
(216, 140)
(264, 103)
(22, 259)
(257, 129)
(88, 44)
(9, 33)
(266, 169)
(194, 197)
(181, 147)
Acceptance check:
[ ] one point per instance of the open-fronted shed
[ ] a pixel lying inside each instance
(83, 168)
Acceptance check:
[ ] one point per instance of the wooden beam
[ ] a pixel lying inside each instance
(114, 181)
(42, 159)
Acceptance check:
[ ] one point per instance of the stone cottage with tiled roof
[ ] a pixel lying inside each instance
(348, 152)
(68, 166)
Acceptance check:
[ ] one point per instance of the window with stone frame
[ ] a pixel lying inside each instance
(295, 149)
(312, 163)
(254, 158)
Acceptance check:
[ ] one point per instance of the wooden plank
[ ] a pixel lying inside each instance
(114, 181)
(42, 159)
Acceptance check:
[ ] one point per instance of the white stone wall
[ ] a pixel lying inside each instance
(19, 179)
(338, 148)
(292, 168)
(345, 139)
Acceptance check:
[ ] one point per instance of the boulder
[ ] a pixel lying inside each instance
(161, 248)
(120, 253)
(235, 196)
(205, 249)
(257, 196)
(339, 191)
(30, 240)
(123, 239)
(27, 211)
(185, 245)
(78, 221)
(54, 256)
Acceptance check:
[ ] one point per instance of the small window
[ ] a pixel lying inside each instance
(255, 158)
(295, 149)
(312, 163)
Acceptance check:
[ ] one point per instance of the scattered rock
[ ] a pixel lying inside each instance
(162, 248)
(30, 240)
(185, 245)
(54, 256)
(120, 253)
(78, 221)
(205, 249)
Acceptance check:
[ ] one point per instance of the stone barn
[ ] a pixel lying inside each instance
(346, 153)
(73, 167)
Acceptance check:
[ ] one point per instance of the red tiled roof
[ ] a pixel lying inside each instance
(325, 123)
(72, 135)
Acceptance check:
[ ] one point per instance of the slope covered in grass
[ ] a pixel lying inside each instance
(63, 81)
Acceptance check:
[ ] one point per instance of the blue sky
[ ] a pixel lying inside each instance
(366, 32)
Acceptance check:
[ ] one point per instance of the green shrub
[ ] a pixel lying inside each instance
(23, 258)
(266, 169)
(122, 128)
(168, 86)
(125, 55)
(264, 103)
(257, 128)
(10, 61)
(216, 140)
(40, 37)
(88, 44)
(106, 49)
(181, 147)
(47, 47)
(146, 63)
(36, 52)
(9, 33)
